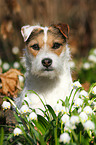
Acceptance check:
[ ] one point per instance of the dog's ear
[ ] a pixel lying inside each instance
(63, 28)
(27, 30)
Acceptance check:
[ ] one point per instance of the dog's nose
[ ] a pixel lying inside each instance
(47, 62)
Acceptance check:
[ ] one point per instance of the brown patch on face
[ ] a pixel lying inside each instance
(54, 37)
(36, 39)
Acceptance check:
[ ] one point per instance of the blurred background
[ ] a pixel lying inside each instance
(79, 14)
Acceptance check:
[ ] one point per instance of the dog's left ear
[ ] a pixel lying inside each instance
(63, 28)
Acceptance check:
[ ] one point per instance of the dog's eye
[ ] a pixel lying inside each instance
(56, 45)
(35, 47)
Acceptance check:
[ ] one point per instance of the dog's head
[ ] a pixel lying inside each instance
(46, 51)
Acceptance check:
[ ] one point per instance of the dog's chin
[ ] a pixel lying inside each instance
(46, 73)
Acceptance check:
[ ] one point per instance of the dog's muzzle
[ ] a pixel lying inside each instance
(46, 62)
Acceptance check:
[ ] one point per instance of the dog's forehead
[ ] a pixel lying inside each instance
(28, 30)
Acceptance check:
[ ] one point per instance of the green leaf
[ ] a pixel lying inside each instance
(91, 88)
(17, 118)
(1, 136)
(51, 111)
(40, 127)
(31, 91)
(43, 121)
(44, 113)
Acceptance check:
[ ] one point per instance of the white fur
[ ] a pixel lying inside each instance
(50, 85)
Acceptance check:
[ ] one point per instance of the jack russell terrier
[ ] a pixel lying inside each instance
(47, 64)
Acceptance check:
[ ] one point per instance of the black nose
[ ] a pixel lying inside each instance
(47, 62)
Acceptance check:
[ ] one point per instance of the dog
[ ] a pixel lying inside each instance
(47, 58)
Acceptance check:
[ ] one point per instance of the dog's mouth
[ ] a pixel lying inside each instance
(48, 69)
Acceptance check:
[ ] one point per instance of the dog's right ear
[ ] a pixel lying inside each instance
(26, 31)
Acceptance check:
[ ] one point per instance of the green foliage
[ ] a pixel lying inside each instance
(49, 127)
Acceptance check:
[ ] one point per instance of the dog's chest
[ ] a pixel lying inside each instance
(49, 91)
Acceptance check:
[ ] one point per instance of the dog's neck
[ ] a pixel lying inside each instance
(43, 84)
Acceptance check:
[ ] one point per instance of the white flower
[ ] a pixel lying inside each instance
(88, 110)
(83, 116)
(65, 138)
(23, 62)
(89, 125)
(17, 131)
(78, 102)
(0, 61)
(74, 119)
(92, 58)
(76, 85)
(24, 109)
(58, 107)
(33, 116)
(69, 126)
(94, 90)
(83, 93)
(86, 65)
(94, 51)
(6, 105)
(79, 109)
(21, 78)
(15, 50)
(65, 110)
(26, 99)
(65, 118)
(16, 65)
(72, 64)
(6, 66)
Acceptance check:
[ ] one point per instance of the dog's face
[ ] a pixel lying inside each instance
(46, 49)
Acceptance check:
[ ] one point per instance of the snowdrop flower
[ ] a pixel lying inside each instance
(74, 119)
(0, 61)
(83, 116)
(65, 118)
(6, 66)
(83, 93)
(78, 102)
(89, 125)
(15, 50)
(24, 109)
(58, 108)
(72, 64)
(94, 90)
(76, 85)
(92, 58)
(17, 131)
(86, 65)
(23, 62)
(79, 109)
(26, 99)
(69, 126)
(21, 78)
(16, 65)
(65, 138)
(94, 51)
(6, 105)
(88, 110)
(33, 116)
(65, 110)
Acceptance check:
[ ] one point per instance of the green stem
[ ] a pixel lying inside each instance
(55, 132)
(73, 98)
(80, 136)
(61, 127)
(71, 93)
